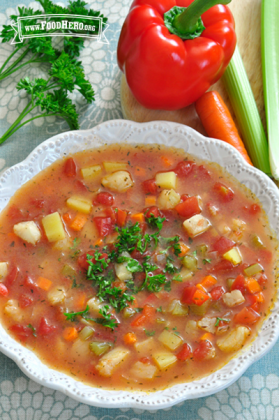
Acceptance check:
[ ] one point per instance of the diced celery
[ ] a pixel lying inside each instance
(257, 242)
(170, 340)
(115, 166)
(190, 262)
(99, 348)
(202, 250)
(164, 359)
(162, 321)
(177, 308)
(186, 274)
(68, 271)
(91, 172)
(128, 312)
(86, 332)
(252, 270)
(230, 283)
(166, 180)
(80, 204)
(234, 256)
(53, 227)
(200, 310)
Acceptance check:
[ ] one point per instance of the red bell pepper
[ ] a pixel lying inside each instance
(167, 70)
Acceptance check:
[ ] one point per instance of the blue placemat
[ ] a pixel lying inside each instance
(254, 397)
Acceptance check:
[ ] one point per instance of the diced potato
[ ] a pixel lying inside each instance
(145, 347)
(3, 270)
(211, 353)
(166, 180)
(207, 324)
(80, 204)
(234, 256)
(196, 225)
(164, 359)
(63, 244)
(120, 181)
(143, 370)
(53, 227)
(192, 329)
(80, 348)
(111, 360)
(177, 308)
(115, 166)
(186, 274)
(233, 298)
(94, 305)
(234, 340)
(57, 295)
(12, 309)
(168, 199)
(91, 172)
(170, 340)
(28, 231)
(121, 271)
(128, 312)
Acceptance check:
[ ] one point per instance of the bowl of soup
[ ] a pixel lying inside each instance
(137, 264)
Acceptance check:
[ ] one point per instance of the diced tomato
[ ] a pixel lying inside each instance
(188, 207)
(21, 331)
(145, 360)
(203, 350)
(3, 290)
(121, 217)
(82, 259)
(221, 266)
(105, 198)
(151, 299)
(184, 168)
(239, 284)
(222, 245)
(149, 312)
(253, 209)
(152, 210)
(262, 281)
(14, 213)
(138, 321)
(110, 212)
(225, 193)
(25, 301)
(80, 185)
(137, 255)
(30, 283)
(45, 328)
(70, 168)
(246, 316)
(149, 186)
(39, 204)
(185, 353)
(188, 294)
(104, 225)
(217, 292)
(12, 276)
(203, 173)
(184, 197)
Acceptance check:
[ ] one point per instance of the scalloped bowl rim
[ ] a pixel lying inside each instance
(108, 132)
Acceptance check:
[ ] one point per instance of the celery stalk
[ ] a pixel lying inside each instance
(246, 112)
(270, 60)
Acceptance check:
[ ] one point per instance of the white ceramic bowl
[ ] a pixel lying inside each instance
(170, 134)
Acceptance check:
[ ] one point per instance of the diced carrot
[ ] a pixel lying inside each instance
(138, 217)
(121, 217)
(130, 338)
(253, 286)
(260, 297)
(207, 336)
(99, 242)
(67, 217)
(149, 312)
(200, 297)
(78, 222)
(80, 301)
(166, 161)
(139, 171)
(44, 283)
(208, 281)
(70, 333)
(150, 200)
(184, 249)
(200, 286)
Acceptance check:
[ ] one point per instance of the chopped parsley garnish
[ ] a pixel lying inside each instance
(206, 261)
(160, 309)
(220, 319)
(149, 333)
(155, 222)
(33, 330)
(71, 316)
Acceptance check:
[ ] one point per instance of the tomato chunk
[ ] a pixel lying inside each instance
(239, 284)
(184, 168)
(224, 192)
(45, 328)
(21, 331)
(246, 316)
(104, 225)
(12, 276)
(3, 290)
(152, 210)
(222, 245)
(185, 353)
(217, 292)
(80, 185)
(253, 209)
(25, 301)
(203, 350)
(189, 207)
(105, 198)
(149, 186)
(193, 295)
(70, 168)
(221, 266)
(39, 204)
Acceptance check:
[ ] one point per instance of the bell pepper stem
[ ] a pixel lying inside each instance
(187, 21)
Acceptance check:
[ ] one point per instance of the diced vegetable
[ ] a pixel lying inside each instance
(3, 270)
(3, 290)
(164, 359)
(183, 249)
(233, 298)
(208, 282)
(86, 333)
(143, 370)
(204, 351)
(196, 225)
(207, 324)
(200, 310)
(12, 310)
(145, 347)
(121, 270)
(68, 271)
(129, 312)
(80, 348)
(186, 274)
(257, 242)
(53, 227)
(120, 181)
(63, 244)
(234, 340)
(78, 222)
(44, 283)
(81, 204)
(70, 333)
(190, 262)
(192, 329)
(233, 256)
(202, 250)
(57, 295)
(166, 180)
(99, 348)
(168, 199)
(252, 285)
(170, 340)
(130, 338)
(189, 207)
(253, 269)
(91, 172)
(246, 316)
(111, 360)
(94, 305)
(115, 166)
(177, 308)
(28, 231)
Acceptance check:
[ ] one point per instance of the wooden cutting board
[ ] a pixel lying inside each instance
(247, 14)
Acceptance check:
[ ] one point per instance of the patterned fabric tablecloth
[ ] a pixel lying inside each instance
(253, 397)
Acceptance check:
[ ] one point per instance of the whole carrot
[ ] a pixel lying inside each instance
(218, 122)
